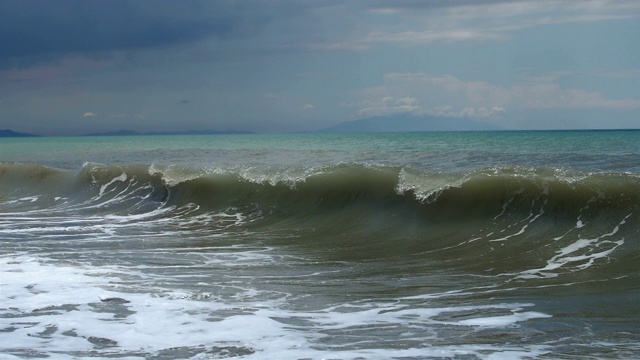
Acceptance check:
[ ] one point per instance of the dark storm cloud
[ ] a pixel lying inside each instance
(36, 31)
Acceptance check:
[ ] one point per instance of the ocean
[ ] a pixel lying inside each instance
(456, 245)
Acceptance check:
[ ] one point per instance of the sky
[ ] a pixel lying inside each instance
(70, 67)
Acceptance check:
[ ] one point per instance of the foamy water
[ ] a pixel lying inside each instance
(338, 258)
(65, 311)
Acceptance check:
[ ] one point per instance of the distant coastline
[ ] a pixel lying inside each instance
(11, 133)
(6, 133)
(156, 133)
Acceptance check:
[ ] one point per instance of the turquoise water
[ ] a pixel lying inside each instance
(453, 151)
(470, 245)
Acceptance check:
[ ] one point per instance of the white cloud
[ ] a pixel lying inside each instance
(446, 95)
(389, 105)
(546, 95)
(620, 74)
(308, 107)
(439, 89)
(433, 36)
(482, 112)
(337, 46)
(89, 114)
(492, 21)
(126, 116)
(571, 11)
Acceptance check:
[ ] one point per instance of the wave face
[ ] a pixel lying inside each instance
(345, 260)
(502, 216)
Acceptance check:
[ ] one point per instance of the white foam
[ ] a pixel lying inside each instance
(103, 188)
(583, 254)
(531, 219)
(175, 174)
(65, 299)
(60, 310)
(508, 202)
(501, 321)
(23, 199)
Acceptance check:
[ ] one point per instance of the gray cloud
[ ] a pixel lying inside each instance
(37, 31)
(40, 31)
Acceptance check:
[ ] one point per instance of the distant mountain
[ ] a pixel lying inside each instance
(190, 132)
(200, 132)
(11, 133)
(408, 123)
(116, 133)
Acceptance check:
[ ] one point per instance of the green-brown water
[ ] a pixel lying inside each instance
(425, 245)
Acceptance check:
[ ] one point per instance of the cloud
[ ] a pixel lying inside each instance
(89, 115)
(35, 32)
(620, 74)
(552, 96)
(433, 36)
(389, 105)
(127, 116)
(500, 8)
(308, 107)
(38, 31)
(482, 112)
(442, 88)
(448, 96)
(393, 106)
(412, 5)
(489, 20)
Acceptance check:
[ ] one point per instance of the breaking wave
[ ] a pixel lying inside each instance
(572, 220)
